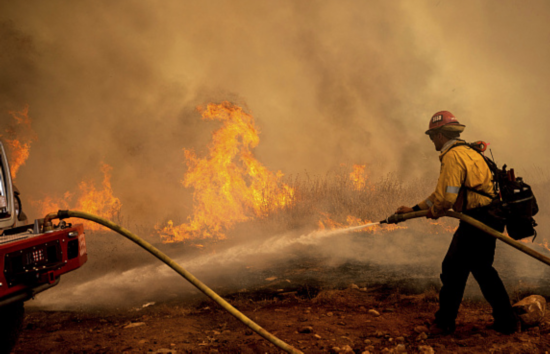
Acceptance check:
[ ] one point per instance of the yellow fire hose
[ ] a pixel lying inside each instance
(395, 218)
(62, 214)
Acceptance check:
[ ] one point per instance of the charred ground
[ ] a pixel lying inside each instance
(312, 319)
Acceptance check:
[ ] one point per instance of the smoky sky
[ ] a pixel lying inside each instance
(328, 82)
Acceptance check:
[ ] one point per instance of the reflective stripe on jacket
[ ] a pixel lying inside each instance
(461, 165)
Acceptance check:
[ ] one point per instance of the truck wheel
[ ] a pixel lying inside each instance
(11, 323)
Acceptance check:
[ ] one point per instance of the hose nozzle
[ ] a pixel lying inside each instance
(397, 218)
(394, 219)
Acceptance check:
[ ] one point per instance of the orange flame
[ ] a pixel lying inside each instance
(19, 139)
(91, 200)
(359, 177)
(529, 240)
(230, 185)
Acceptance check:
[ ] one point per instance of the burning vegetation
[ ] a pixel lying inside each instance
(359, 177)
(231, 187)
(18, 138)
(90, 199)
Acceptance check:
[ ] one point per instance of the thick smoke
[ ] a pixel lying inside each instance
(328, 83)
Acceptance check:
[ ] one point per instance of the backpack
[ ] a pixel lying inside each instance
(515, 203)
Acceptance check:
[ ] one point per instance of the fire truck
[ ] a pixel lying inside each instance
(31, 260)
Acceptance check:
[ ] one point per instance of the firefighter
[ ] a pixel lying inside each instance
(465, 184)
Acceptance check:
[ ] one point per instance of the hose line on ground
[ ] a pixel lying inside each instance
(396, 218)
(393, 219)
(62, 214)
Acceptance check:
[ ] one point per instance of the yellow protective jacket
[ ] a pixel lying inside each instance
(460, 166)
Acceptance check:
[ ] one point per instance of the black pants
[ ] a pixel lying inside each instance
(472, 251)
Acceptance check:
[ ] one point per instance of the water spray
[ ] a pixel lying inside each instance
(64, 214)
(351, 228)
(393, 219)
(397, 218)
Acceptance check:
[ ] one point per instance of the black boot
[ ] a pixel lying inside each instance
(508, 326)
(439, 328)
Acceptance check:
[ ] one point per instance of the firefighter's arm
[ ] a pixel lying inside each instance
(451, 178)
(423, 205)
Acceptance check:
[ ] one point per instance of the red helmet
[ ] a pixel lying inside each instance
(446, 121)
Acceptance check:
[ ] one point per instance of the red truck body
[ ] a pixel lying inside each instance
(32, 262)
(31, 259)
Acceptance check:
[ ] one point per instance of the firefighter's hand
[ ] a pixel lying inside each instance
(430, 215)
(403, 209)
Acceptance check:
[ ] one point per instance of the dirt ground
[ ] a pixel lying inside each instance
(330, 321)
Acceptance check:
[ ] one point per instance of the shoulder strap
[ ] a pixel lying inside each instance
(479, 192)
(492, 166)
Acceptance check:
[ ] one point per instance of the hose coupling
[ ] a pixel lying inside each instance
(48, 226)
